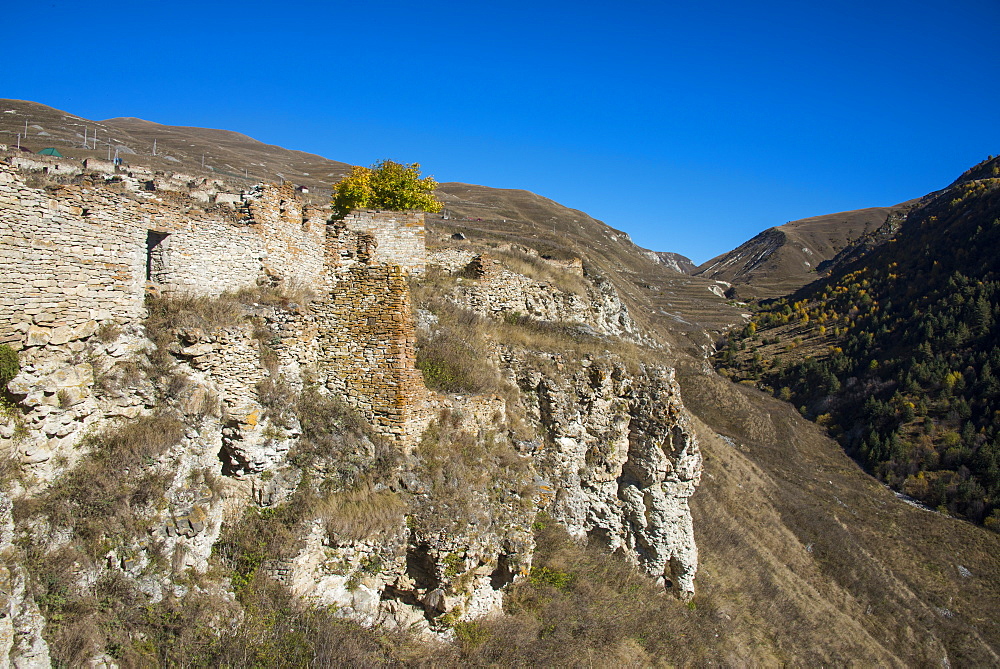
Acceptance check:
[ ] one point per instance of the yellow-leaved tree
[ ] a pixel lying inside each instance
(385, 185)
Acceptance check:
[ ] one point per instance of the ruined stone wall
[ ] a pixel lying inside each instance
(399, 236)
(497, 291)
(293, 234)
(47, 164)
(367, 337)
(73, 254)
(61, 264)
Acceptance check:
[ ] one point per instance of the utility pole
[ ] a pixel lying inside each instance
(203, 161)
(85, 145)
(109, 148)
(26, 128)
(18, 141)
(154, 146)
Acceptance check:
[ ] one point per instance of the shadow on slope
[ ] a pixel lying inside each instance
(819, 562)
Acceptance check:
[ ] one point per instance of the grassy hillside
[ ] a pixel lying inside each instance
(204, 152)
(785, 258)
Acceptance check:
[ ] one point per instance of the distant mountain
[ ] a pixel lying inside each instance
(784, 258)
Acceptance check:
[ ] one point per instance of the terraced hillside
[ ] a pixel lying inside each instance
(784, 258)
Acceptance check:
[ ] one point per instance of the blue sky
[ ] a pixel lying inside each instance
(692, 126)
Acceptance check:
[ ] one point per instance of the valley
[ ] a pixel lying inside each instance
(241, 431)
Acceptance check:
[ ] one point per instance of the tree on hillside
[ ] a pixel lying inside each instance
(385, 185)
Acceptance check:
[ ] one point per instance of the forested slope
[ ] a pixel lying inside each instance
(898, 352)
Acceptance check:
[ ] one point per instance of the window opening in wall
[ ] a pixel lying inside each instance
(156, 255)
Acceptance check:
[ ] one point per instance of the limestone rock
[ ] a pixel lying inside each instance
(21, 623)
(624, 462)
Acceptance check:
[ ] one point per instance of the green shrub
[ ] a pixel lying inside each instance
(543, 575)
(385, 185)
(10, 365)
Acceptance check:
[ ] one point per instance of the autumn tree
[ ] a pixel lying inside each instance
(385, 185)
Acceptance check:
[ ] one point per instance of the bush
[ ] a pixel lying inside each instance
(385, 185)
(452, 363)
(9, 364)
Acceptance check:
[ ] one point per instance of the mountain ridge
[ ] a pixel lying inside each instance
(805, 559)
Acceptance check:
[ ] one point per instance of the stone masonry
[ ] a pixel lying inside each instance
(74, 257)
(400, 236)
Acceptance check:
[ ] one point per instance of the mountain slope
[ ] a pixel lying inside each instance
(798, 545)
(832, 567)
(805, 559)
(195, 151)
(684, 310)
(784, 258)
(896, 350)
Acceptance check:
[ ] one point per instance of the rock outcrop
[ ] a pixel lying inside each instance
(620, 460)
(196, 413)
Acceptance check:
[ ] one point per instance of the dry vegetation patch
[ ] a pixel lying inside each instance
(473, 475)
(541, 270)
(583, 607)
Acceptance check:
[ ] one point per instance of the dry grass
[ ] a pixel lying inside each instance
(104, 499)
(470, 476)
(184, 311)
(278, 398)
(360, 513)
(289, 296)
(583, 607)
(538, 269)
(106, 502)
(456, 357)
(454, 361)
(338, 442)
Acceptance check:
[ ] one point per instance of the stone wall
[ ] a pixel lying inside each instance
(399, 236)
(367, 336)
(498, 291)
(75, 256)
(62, 264)
(72, 254)
(47, 164)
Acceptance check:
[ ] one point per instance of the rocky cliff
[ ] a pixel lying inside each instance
(218, 398)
